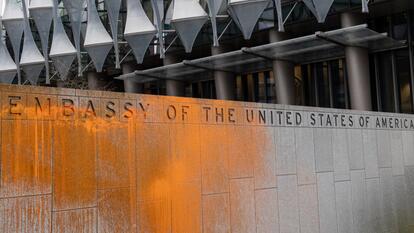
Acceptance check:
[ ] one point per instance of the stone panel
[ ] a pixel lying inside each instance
(373, 205)
(359, 199)
(153, 163)
(327, 207)
(214, 159)
(408, 146)
(397, 154)
(323, 150)
(242, 206)
(384, 148)
(288, 204)
(26, 214)
(265, 159)
(370, 153)
(355, 149)
(267, 211)
(308, 204)
(409, 179)
(388, 209)
(242, 150)
(154, 216)
(79, 221)
(285, 151)
(117, 210)
(399, 199)
(340, 154)
(26, 158)
(185, 153)
(186, 208)
(116, 155)
(305, 153)
(74, 164)
(216, 213)
(344, 206)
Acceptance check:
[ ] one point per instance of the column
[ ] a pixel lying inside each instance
(224, 81)
(284, 73)
(357, 65)
(130, 86)
(96, 81)
(174, 87)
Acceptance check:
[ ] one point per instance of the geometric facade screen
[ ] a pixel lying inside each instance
(13, 21)
(62, 52)
(246, 13)
(113, 7)
(214, 8)
(319, 8)
(75, 9)
(7, 66)
(32, 61)
(278, 5)
(158, 12)
(139, 31)
(188, 19)
(42, 13)
(365, 8)
(98, 42)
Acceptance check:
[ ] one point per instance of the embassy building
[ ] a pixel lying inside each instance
(207, 116)
(348, 54)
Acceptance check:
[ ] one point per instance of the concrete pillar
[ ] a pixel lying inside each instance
(96, 81)
(357, 64)
(225, 82)
(130, 86)
(174, 88)
(284, 73)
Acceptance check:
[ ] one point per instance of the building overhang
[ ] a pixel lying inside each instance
(320, 46)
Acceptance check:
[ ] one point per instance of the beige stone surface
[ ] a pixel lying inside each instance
(84, 161)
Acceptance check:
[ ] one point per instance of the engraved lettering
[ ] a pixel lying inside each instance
(171, 112)
(14, 102)
(68, 107)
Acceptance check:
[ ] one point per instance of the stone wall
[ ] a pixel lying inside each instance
(78, 161)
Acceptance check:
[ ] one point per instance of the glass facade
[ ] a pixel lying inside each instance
(325, 84)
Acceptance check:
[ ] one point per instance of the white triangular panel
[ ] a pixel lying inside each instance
(246, 14)
(139, 44)
(32, 72)
(158, 12)
(63, 64)
(98, 42)
(188, 31)
(8, 68)
(188, 19)
(13, 10)
(169, 14)
(138, 35)
(32, 61)
(7, 77)
(75, 9)
(281, 26)
(365, 8)
(1, 7)
(98, 55)
(113, 7)
(320, 8)
(62, 52)
(13, 21)
(42, 13)
(214, 7)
